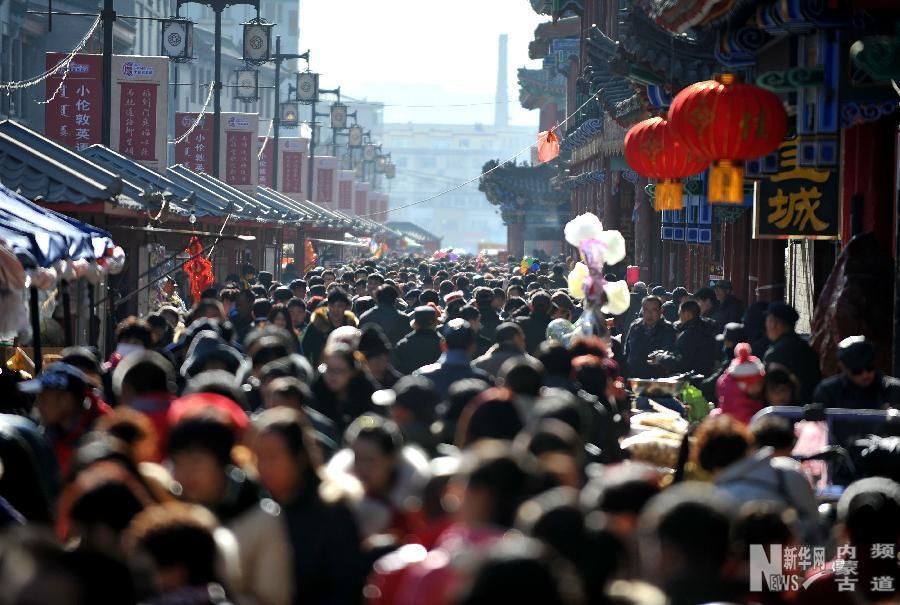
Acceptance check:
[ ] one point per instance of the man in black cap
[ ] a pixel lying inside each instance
(790, 350)
(324, 321)
(670, 307)
(860, 385)
(411, 404)
(385, 314)
(510, 344)
(695, 342)
(421, 346)
(298, 288)
(648, 334)
(535, 325)
(456, 362)
(731, 309)
(376, 348)
(490, 319)
(709, 304)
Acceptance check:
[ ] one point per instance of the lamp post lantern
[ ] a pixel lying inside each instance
(217, 7)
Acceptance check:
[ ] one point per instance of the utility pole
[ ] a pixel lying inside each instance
(217, 6)
(108, 16)
(276, 110)
(312, 137)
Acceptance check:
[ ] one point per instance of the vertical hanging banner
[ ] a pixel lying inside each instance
(73, 117)
(291, 173)
(239, 149)
(195, 151)
(265, 160)
(140, 101)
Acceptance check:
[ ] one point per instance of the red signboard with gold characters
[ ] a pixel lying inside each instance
(797, 202)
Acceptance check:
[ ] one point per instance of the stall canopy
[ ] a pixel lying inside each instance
(37, 167)
(40, 237)
(243, 206)
(178, 199)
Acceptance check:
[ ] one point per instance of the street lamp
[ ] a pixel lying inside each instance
(390, 170)
(177, 39)
(247, 85)
(257, 41)
(307, 87)
(217, 6)
(380, 163)
(290, 114)
(356, 136)
(338, 116)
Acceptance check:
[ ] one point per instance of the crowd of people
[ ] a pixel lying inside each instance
(403, 431)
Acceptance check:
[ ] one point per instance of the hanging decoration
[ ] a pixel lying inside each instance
(652, 151)
(727, 122)
(199, 269)
(312, 259)
(548, 146)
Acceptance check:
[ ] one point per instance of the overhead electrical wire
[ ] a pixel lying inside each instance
(199, 119)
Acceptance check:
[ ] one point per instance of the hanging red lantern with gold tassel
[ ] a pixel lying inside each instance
(652, 151)
(727, 122)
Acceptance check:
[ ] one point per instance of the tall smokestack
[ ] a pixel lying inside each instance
(501, 112)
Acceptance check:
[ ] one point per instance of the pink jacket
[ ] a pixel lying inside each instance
(735, 402)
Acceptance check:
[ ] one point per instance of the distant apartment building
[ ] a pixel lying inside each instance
(432, 158)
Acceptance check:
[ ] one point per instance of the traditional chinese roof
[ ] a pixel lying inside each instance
(679, 15)
(178, 199)
(36, 167)
(411, 230)
(538, 87)
(206, 200)
(519, 188)
(243, 206)
(546, 33)
(557, 8)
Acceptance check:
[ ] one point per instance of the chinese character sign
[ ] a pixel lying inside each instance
(324, 185)
(237, 163)
(239, 149)
(360, 201)
(195, 151)
(797, 202)
(140, 92)
(265, 161)
(137, 121)
(73, 118)
(291, 171)
(345, 195)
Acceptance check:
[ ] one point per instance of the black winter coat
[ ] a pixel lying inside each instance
(796, 355)
(329, 568)
(696, 349)
(490, 319)
(839, 392)
(730, 310)
(394, 323)
(343, 412)
(417, 349)
(535, 328)
(641, 342)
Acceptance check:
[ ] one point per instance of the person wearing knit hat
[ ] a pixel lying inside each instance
(740, 388)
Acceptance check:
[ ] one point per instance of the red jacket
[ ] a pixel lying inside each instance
(735, 402)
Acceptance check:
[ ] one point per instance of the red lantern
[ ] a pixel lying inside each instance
(548, 146)
(727, 122)
(653, 152)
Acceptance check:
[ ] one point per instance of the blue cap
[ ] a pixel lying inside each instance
(60, 376)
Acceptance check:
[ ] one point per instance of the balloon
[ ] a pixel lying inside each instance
(558, 329)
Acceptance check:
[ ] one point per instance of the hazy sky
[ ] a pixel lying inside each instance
(421, 52)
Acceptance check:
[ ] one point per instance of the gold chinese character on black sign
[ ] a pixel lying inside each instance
(797, 202)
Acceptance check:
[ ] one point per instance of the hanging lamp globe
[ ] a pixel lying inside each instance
(652, 151)
(727, 122)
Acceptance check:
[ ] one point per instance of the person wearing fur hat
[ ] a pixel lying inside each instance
(324, 321)
(740, 388)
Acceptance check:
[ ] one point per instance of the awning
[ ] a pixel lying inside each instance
(338, 242)
(41, 237)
